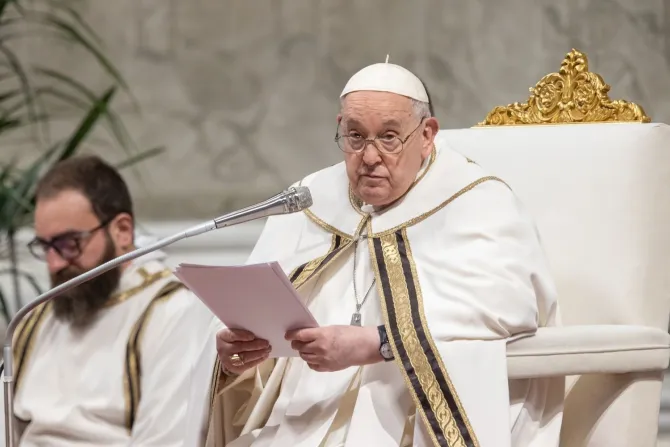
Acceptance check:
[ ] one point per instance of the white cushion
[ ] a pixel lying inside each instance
(603, 349)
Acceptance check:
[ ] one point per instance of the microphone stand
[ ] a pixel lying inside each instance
(293, 200)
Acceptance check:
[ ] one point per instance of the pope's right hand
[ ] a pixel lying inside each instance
(240, 350)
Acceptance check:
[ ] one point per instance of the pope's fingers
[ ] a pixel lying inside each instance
(299, 345)
(256, 345)
(304, 335)
(228, 349)
(233, 335)
(251, 356)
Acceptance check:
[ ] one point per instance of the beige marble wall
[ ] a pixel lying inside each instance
(244, 93)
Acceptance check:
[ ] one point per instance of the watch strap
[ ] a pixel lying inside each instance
(384, 345)
(383, 337)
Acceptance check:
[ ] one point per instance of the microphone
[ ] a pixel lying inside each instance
(293, 200)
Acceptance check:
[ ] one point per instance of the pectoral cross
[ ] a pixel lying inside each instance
(356, 317)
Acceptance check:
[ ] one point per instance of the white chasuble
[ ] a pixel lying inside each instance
(458, 271)
(138, 376)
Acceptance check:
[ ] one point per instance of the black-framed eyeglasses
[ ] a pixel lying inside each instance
(387, 144)
(68, 245)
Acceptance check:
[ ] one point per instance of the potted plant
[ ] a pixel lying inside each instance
(27, 94)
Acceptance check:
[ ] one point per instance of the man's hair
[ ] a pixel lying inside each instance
(98, 181)
(423, 109)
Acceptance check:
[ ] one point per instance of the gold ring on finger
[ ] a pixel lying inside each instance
(236, 360)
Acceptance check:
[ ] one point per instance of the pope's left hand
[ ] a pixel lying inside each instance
(333, 348)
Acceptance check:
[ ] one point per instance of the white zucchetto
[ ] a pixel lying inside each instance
(385, 77)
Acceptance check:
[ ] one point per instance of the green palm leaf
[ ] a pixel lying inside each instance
(25, 89)
(87, 124)
(118, 130)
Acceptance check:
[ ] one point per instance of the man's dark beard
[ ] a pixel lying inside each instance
(80, 306)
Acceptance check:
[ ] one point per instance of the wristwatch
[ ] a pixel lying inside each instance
(384, 345)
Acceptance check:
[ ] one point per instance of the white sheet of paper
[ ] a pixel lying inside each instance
(258, 298)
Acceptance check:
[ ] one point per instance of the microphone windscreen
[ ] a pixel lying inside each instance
(299, 198)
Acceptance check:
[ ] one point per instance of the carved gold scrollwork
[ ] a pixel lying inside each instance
(573, 95)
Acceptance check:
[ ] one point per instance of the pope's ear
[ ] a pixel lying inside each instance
(429, 132)
(432, 127)
(339, 118)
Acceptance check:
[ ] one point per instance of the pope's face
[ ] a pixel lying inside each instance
(377, 177)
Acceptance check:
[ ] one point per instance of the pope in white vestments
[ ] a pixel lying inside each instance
(419, 267)
(123, 360)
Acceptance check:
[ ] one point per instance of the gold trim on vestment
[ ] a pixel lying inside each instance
(25, 340)
(147, 280)
(329, 228)
(424, 216)
(215, 382)
(407, 437)
(311, 269)
(414, 349)
(133, 366)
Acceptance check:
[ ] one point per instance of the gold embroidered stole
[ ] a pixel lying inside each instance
(415, 351)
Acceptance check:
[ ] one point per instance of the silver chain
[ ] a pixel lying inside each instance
(359, 305)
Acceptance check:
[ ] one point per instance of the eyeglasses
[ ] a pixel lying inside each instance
(68, 245)
(387, 144)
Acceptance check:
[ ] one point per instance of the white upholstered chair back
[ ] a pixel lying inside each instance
(600, 196)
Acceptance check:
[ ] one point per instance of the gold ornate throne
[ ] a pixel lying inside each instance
(573, 95)
(600, 196)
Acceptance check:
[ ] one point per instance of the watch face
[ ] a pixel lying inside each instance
(386, 351)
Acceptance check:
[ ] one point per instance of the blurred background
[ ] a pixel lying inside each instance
(212, 105)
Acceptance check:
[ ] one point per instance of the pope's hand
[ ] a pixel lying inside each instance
(332, 348)
(240, 350)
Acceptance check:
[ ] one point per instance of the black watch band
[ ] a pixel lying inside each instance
(384, 345)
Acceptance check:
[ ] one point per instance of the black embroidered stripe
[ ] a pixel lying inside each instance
(426, 347)
(395, 333)
(338, 245)
(296, 273)
(329, 257)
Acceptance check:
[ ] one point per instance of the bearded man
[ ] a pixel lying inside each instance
(112, 362)
(419, 268)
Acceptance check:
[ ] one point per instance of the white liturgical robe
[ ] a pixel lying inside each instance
(140, 375)
(458, 271)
